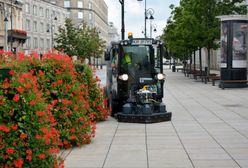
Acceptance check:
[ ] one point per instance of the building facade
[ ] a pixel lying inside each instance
(41, 19)
(34, 23)
(12, 34)
(112, 33)
(92, 12)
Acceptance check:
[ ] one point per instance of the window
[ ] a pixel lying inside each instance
(28, 28)
(35, 26)
(35, 10)
(90, 5)
(58, 16)
(35, 42)
(41, 12)
(90, 16)
(80, 4)
(41, 43)
(27, 8)
(48, 28)
(80, 15)
(19, 15)
(67, 4)
(47, 13)
(41, 27)
(28, 43)
(48, 44)
(53, 13)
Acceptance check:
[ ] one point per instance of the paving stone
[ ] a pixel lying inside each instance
(209, 129)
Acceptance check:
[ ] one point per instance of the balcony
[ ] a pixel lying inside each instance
(17, 35)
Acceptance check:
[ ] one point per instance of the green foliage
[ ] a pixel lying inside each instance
(194, 25)
(46, 105)
(67, 39)
(82, 41)
(97, 99)
(68, 100)
(27, 137)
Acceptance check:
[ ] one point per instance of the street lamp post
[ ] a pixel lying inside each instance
(11, 24)
(122, 20)
(148, 12)
(152, 28)
(6, 34)
(145, 16)
(52, 43)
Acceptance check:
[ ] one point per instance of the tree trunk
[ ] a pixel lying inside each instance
(194, 61)
(190, 62)
(89, 60)
(200, 59)
(208, 72)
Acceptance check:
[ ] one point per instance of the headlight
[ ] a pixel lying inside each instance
(160, 76)
(123, 77)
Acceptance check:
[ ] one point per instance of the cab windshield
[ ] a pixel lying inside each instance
(145, 58)
(139, 53)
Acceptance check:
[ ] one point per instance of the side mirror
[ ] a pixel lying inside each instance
(107, 56)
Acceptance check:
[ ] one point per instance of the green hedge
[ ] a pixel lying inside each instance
(46, 105)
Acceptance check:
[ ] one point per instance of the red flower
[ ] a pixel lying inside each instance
(4, 128)
(16, 98)
(41, 73)
(14, 127)
(44, 130)
(20, 89)
(72, 137)
(18, 163)
(53, 150)
(40, 113)
(29, 152)
(38, 136)
(42, 156)
(5, 84)
(28, 86)
(19, 31)
(29, 158)
(23, 136)
(66, 101)
(32, 103)
(10, 150)
(65, 142)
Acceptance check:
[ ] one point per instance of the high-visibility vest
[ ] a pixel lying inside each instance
(127, 59)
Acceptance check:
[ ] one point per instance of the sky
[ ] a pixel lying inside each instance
(134, 15)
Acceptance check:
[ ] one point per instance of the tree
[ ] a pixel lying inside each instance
(181, 33)
(193, 25)
(67, 38)
(82, 41)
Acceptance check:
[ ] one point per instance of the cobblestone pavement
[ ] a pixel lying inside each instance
(209, 128)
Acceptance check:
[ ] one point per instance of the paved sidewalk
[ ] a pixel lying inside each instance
(209, 128)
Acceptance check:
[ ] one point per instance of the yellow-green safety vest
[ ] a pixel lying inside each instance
(127, 59)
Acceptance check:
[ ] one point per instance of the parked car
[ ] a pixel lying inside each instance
(167, 62)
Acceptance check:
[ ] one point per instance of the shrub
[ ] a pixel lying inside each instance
(97, 100)
(27, 137)
(68, 100)
(46, 105)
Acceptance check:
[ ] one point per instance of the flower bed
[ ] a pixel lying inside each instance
(46, 105)
(97, 101)
(27, 138)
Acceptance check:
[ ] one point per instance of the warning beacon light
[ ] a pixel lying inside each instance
(130, 35)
